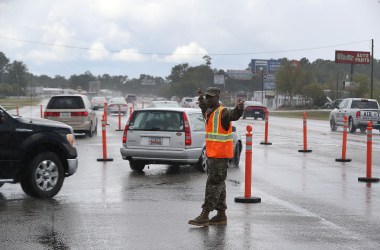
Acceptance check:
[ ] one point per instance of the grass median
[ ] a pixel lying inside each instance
(13, 103)
(311, 114)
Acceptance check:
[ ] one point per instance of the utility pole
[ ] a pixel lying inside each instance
(372, 71)
(262, 86)
(337, 89)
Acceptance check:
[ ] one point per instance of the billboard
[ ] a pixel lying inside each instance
(352, 57)
(268, 66)
(219, 79)
(239, 74)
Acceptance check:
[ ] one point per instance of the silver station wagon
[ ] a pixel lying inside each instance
(168, 136)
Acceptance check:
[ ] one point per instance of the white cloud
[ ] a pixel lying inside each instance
(98, 51)
(129, 55)
(188, 53)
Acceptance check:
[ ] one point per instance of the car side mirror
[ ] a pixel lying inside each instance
(233, 129)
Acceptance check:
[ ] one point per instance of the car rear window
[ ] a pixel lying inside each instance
(364, 104)
(118, 101)
(157, 121)
(131, 98)
(66, 102)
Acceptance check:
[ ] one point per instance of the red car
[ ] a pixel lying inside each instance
(254, 109)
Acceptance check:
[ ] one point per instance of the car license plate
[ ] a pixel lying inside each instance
(155, 140)
(257, 112)
(64, 114)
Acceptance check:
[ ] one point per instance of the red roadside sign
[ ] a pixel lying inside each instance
(352, 57)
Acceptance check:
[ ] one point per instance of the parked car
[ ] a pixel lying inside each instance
(75, 111)
(168, 136)
(37, 153)
(98, 101)
(164, 104)
(194, 102)
(254, 109)
(185, 102)
(332, 104)
(115, 103)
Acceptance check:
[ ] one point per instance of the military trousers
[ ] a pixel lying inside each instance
(215, 193)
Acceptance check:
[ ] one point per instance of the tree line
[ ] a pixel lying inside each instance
(308, 79)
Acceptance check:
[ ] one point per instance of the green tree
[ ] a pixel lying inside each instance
(207, 59)
(314, 92)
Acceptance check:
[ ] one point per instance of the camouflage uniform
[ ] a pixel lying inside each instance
(215, 194)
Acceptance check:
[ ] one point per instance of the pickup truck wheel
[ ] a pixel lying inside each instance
(44, 176)
(202, 163)
(136, 165)
(351, 125)
(333, 124)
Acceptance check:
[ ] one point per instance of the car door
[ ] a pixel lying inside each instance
(341, 111)
(198, 130)
(7, 145)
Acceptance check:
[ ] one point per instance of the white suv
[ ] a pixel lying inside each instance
(168, 136)
(75, 111)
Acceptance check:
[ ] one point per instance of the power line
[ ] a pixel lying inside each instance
(181, 54)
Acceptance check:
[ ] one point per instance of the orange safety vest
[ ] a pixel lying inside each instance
(219, 142)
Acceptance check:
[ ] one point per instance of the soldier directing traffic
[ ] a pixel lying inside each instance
(219, 149)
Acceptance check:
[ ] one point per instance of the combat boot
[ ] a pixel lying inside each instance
(201, 220)
(219, 219)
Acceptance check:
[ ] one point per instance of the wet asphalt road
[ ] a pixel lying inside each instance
(308, 200)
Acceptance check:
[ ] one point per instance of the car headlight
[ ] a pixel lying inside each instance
(71, 139)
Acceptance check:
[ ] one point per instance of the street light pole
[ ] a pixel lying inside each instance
(262, 86)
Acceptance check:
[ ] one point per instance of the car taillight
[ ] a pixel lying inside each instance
(126, 129)
(111, 105)
(187, 130)
(79, 113)
(357, 114)
(47, 114)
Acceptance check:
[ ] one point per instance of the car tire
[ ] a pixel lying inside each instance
(44, 176)
(351, 125)
(96, 128)
(237, 153)
(137, 165)
(333, 126)
(90, 132)
(202, 162)
(363, 129)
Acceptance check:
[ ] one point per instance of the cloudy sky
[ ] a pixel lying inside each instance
(133, 37)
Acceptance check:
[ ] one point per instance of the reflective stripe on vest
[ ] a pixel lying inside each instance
(219, 142)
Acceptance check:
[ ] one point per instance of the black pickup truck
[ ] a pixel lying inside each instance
(38, 153)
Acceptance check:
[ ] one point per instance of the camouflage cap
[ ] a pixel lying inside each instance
(213, 91)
